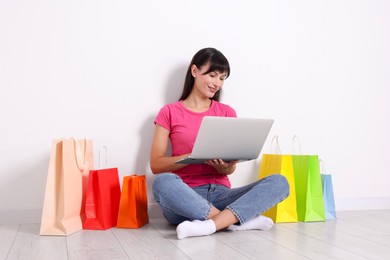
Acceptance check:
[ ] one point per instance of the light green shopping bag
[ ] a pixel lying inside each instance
(308, 188)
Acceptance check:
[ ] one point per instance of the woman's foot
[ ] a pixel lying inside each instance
(260, 222)
(195, 228)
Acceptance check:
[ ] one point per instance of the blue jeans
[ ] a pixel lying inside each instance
(180, 202)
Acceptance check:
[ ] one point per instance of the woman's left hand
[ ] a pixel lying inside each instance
(223, 167)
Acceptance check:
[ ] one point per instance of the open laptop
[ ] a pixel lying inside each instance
(229, 139)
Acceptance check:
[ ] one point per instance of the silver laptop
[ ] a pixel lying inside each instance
(229, 139)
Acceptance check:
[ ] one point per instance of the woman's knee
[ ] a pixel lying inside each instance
(281, 184)
(163, 182)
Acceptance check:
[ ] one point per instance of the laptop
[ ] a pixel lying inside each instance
(229, 139)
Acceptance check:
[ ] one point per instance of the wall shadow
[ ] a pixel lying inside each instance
(174, 84)
(173, 88)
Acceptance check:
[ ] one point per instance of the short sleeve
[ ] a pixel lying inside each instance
(164, 118)
(231, 112)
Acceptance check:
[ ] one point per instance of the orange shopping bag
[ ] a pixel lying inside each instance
(67, 178)
(133, 207)
(102, 200)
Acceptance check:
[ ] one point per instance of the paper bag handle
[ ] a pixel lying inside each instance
(100, 157)
(296, 140)
(81, 162)
(322, 166)
(275, 140)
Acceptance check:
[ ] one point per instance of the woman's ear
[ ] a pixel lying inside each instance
(194, 70)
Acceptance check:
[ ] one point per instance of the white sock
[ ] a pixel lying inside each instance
(260, 222)
(195, 228)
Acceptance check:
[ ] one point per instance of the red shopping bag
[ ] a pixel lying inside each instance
(102, 199)
(133, 208)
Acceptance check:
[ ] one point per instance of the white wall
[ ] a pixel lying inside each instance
(102, 69)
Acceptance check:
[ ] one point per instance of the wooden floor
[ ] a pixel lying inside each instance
(354, 235)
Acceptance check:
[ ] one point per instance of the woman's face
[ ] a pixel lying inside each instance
(207, 84)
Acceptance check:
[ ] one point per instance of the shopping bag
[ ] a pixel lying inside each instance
(133, 207)
(308, 188)
(70, 162)
(102, 199)
(327, 190)
(284, 211)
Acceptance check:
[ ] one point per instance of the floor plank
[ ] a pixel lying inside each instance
(94, 244)
(147, 243)
(207, 247)
(326, 232)
(354, 235)
(374, 230)
(7, 236)
(253, 246)
(305, 245)
(30, 245)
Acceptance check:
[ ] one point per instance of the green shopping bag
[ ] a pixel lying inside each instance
(308, 188)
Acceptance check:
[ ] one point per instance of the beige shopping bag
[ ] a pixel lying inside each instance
(67, 180)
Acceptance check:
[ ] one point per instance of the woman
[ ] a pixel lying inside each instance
(199, 198)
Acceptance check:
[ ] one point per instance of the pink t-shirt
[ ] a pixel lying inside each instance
(183, 125)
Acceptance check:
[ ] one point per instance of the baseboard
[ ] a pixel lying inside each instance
(155, 211)
(25, 216)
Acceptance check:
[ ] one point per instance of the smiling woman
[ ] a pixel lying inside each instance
(198, 198)
(207, 64)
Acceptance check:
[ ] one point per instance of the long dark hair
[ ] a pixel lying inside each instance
(218, 62)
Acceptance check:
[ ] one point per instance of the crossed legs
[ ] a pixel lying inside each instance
(242, 205)
(220, 220)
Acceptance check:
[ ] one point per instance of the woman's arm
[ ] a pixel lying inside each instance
(159, 161)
